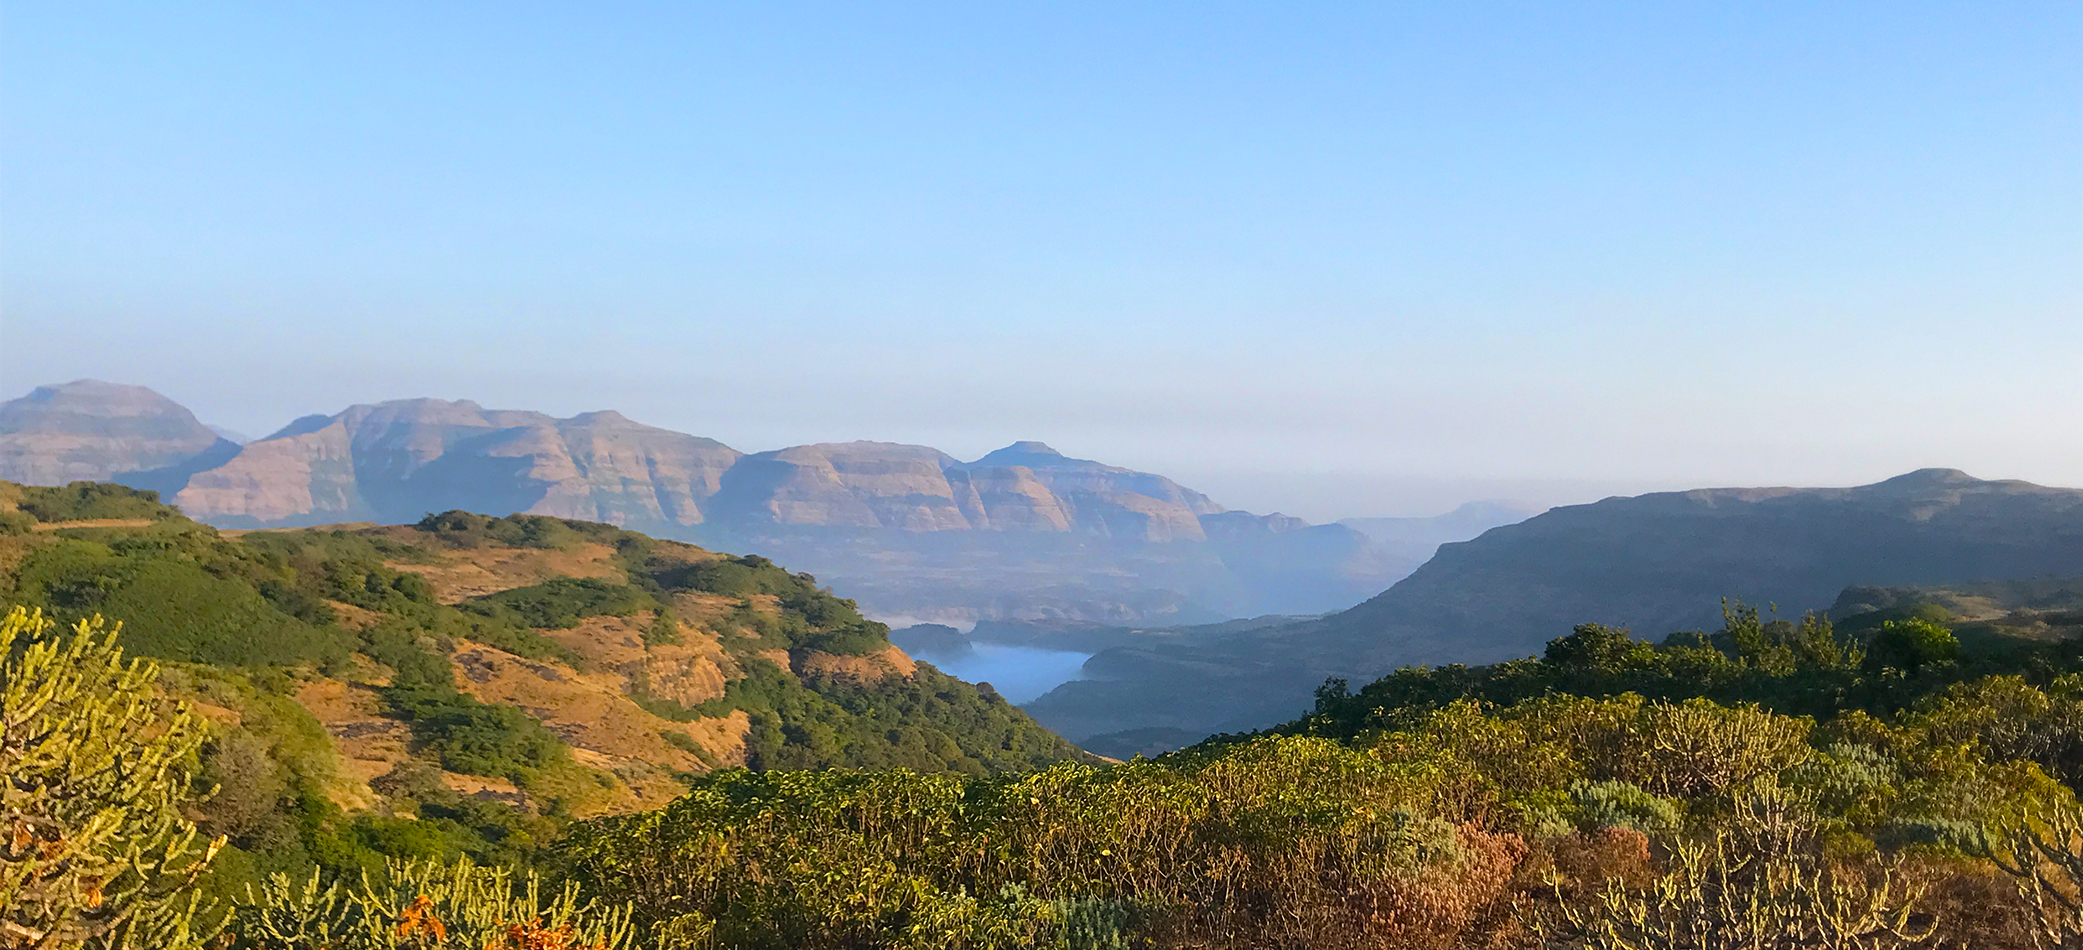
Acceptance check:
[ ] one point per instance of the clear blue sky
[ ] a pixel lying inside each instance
(1332, 259)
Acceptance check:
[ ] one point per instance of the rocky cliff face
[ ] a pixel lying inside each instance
(1022, 533)
(1091, 497)
(89, 430)
(396, 461)
(1024, 487)
(847, 485)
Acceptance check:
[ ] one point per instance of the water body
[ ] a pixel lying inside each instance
(1017, 673)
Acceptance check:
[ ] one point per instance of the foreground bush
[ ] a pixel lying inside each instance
(94, 850)
(1555, 821)
(426, 905)
(1282, 841)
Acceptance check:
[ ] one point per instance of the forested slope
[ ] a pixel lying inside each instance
(493, 676)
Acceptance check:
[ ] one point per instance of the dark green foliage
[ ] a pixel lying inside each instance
(731, 577)
(476, 738)
(561, 603)
(460, 732)
(182, 597)
(1912, 645)
(664, 629)
(930, 722)
(463, 529)
(1597, 647)
(859, 641)
(1807, 668)
(1864, 625)
(83, 501)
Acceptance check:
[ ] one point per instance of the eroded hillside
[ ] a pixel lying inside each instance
(489, 673)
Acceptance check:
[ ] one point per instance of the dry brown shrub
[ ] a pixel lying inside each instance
(1976, 905)
(1587, 863)
(1457, 904)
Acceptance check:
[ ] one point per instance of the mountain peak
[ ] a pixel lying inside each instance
(94, 430)
(1929, 478)
(1029, 453)
(96, 396)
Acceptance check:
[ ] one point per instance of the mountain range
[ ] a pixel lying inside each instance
(1024, 532)
(1656, 563)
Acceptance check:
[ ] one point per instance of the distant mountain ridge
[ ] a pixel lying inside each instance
(1024, 532)
(1420, 538)
(1655, 563)
(89, 430)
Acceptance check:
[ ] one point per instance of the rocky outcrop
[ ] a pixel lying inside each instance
(1041, 487)
(396, 461)
(842, 485)
(89, 430)
(912, 488)
(301, 475)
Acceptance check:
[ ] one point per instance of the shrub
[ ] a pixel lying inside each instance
(561, 603)
(428, 904)
(1622, 805)
(98, 776)
(1912, 644)
(82, 501)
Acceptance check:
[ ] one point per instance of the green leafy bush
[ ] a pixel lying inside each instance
(563, 602)
(1912, 644)
(82, 501)
(463, 529)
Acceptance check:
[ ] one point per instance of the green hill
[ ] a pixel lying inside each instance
(492, 677)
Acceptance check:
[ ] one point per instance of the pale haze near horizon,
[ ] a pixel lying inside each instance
(1335, 261)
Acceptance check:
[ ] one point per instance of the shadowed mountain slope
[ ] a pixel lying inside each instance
(1654, 563)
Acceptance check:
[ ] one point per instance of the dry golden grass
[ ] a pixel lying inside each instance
(368, 741)
(589, 711)
(93, 523)
(869, 669)
(461, 575)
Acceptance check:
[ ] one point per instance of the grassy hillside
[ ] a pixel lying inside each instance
(1904, 775)
(490, 677)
